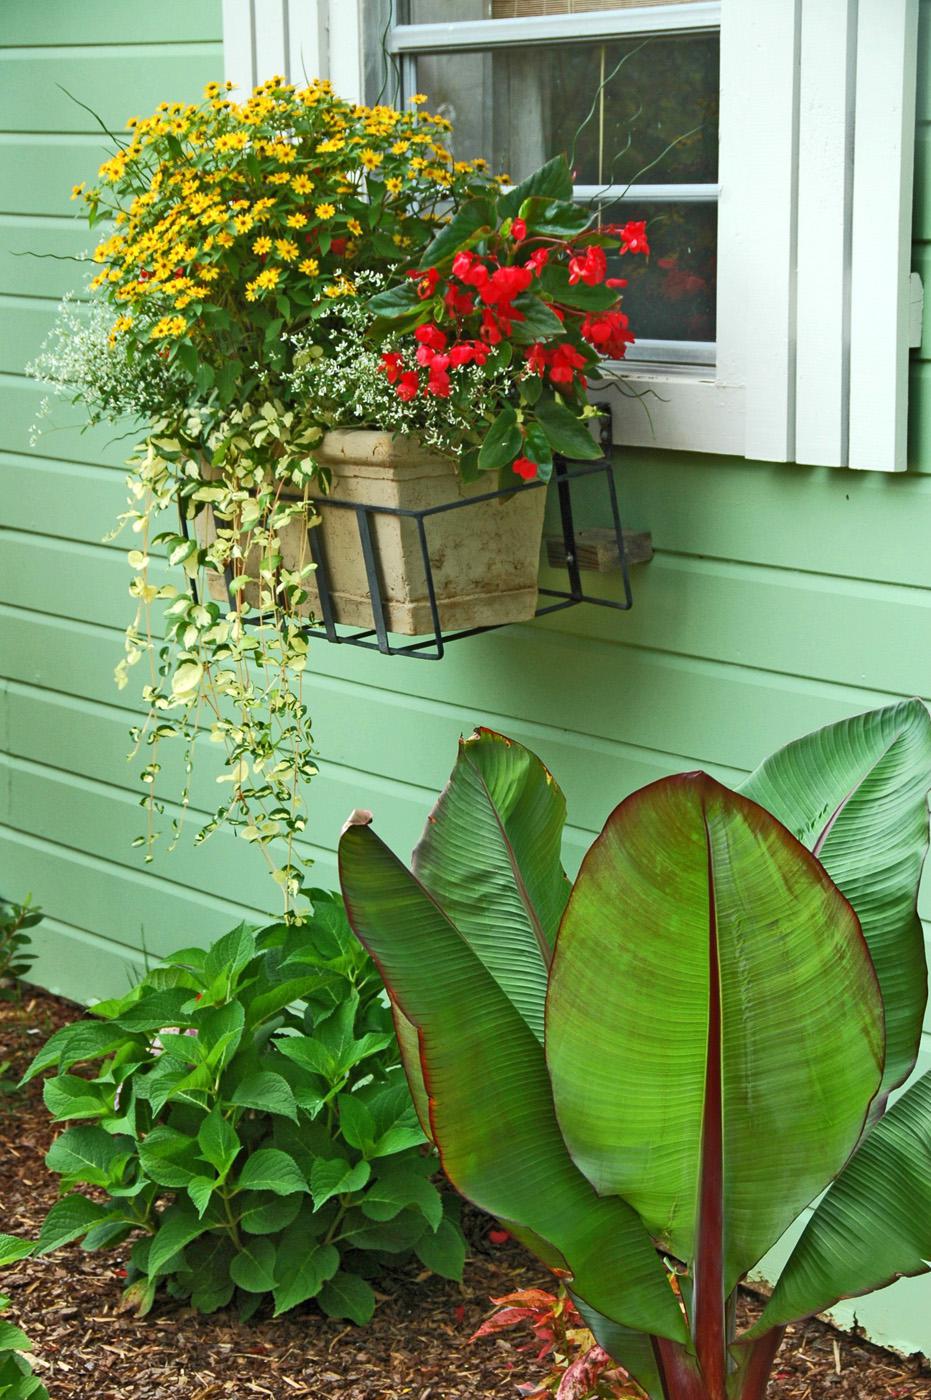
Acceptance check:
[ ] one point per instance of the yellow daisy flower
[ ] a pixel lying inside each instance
(324, 211)
(287, 248)
(309, 266)
(262, 245)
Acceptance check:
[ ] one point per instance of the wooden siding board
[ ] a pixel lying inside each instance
(37, 174)
(82, 764)
(821, 628)
(62, 437)
(109, 23)
(31, 249)
(919, 425)
(139, 910)
(62, 500)
(921, 208)
(25, 322)
(719, 722)
(807, 520)
(116, 84)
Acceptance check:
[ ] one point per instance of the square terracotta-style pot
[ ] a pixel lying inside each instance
(484, 558)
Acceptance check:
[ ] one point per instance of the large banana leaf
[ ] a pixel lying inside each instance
(714, 1025)
(855, 793)
(491, 1107)
(873, 1226)
(490, 856)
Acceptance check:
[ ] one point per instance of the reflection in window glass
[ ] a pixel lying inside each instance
(671, 295)
(518, 106)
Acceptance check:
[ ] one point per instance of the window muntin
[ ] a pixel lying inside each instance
(648, 149)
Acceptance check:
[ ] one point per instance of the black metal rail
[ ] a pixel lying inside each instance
(431, 647)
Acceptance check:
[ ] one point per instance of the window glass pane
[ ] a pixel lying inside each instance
(434, 11)
(519, 105)
(671, 294)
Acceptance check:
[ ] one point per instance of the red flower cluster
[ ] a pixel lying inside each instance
(609, 332)
(563, 362)
(477, 304)
(633, 235)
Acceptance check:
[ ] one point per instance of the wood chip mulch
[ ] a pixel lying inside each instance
(417, 1347)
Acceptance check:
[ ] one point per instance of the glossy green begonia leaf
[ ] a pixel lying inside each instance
(856, 793)
(873, 1226)
(495, 1125)
(490, 856)
(714, 1029)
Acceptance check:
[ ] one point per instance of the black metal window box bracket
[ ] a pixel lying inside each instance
(431, 647)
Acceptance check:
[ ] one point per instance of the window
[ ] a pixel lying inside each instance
(768, 327)
(637, 110)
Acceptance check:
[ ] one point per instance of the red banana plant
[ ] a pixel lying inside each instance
(677, 1056)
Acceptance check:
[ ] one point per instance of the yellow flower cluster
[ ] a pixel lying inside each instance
(213, 209)
(167, 326)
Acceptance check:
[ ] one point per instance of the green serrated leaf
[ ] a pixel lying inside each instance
(169, 1157)
(253, 1267)
(348, 1295)
(302, 1272)
(67, 1096)
(89, 1154)
(86, 1040)
(218, 1141)
(200, 1189)
(336, 1177)
(178, 1227)
(443, 1251)
(266, 1091)
(68, 1220)
(13, 1249)
(262, 1214)
(356, 1122)
(270, 1169)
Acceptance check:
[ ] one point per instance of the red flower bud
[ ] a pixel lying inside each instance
(518, 230)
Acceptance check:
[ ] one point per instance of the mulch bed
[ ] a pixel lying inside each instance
(417, 1347)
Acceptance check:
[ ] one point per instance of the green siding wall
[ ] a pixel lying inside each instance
(780, 598)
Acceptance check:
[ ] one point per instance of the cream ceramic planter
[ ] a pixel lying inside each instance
(484, 559)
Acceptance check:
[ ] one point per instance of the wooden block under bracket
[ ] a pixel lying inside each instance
(596, 549)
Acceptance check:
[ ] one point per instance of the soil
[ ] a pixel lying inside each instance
(417, 1347)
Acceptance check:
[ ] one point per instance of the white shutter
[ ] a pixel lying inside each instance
(817, 145)
(827, 83)
(264, 37)
(884, 149)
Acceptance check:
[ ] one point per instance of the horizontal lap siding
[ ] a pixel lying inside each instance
(780, 598)
(67, 798)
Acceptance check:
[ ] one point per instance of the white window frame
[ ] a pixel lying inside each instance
(407, 41)
(811, 361)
